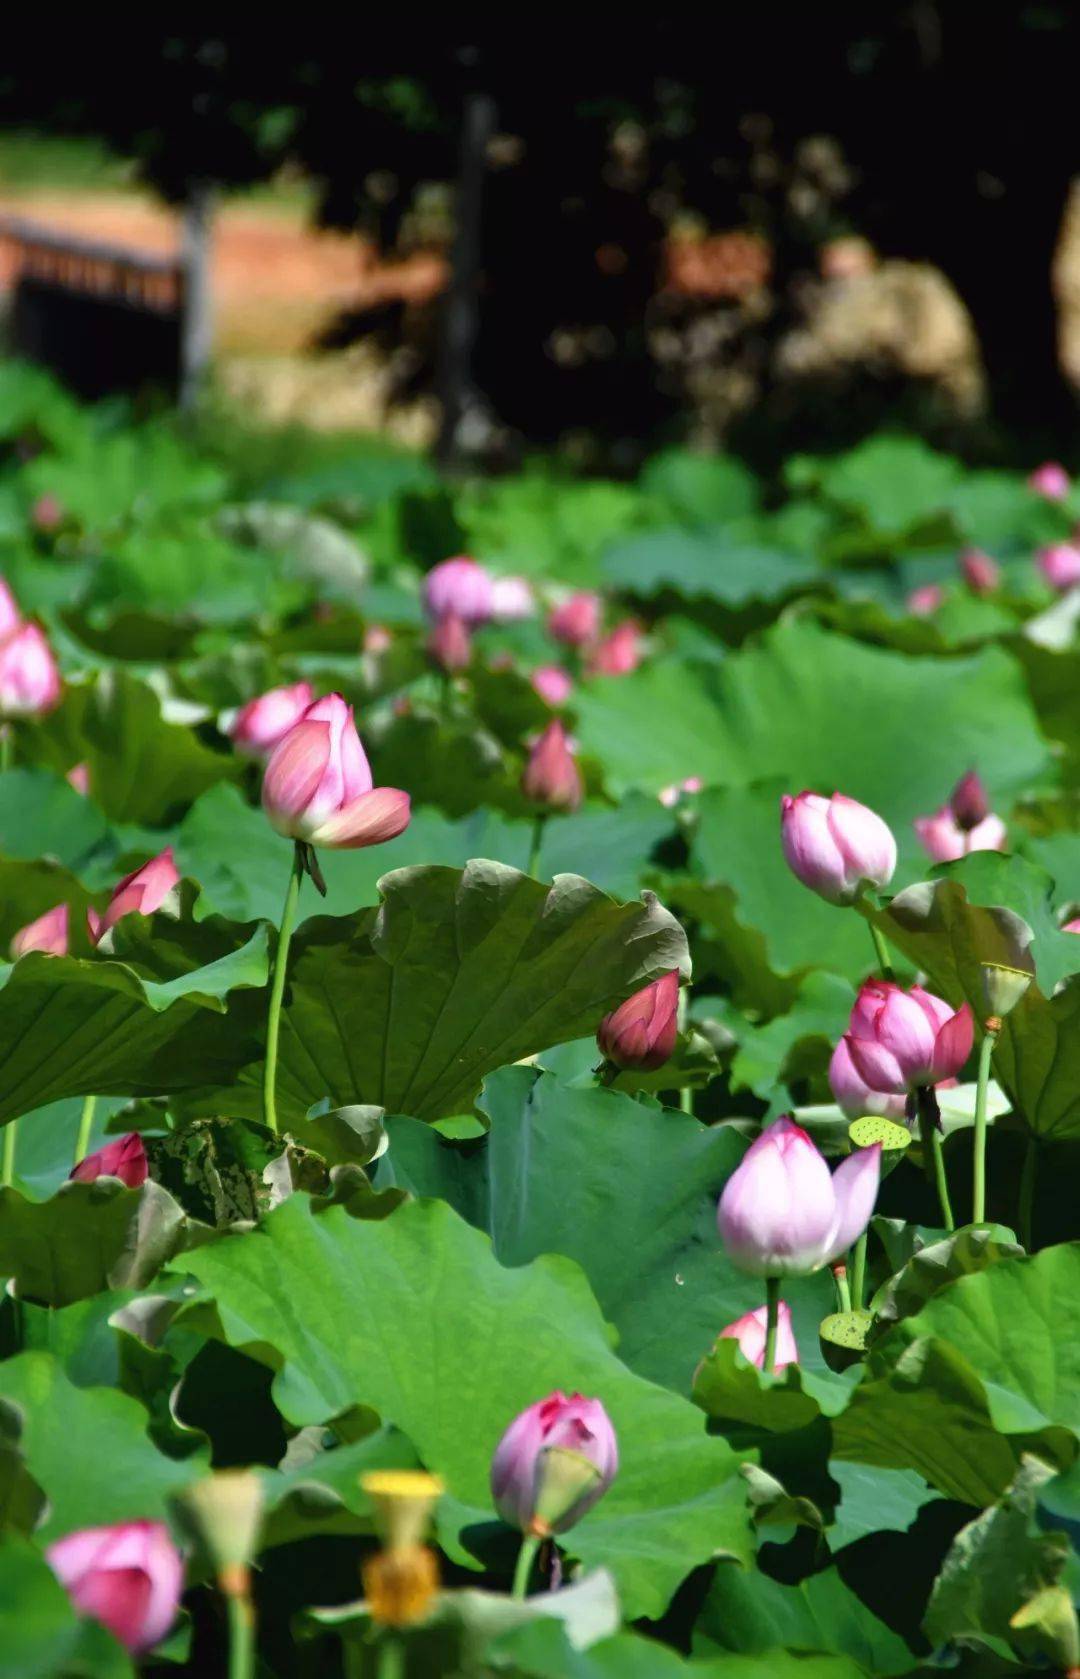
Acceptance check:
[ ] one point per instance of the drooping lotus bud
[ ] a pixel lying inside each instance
(541, 1495)
(139, 893)
(223, 1514)
(903, 1040)
(47, 514)
(969, 802)
(10, 616)
(553, 684)
(981, 573)
(750, 1331)
(401, 1580)
(49, 933)
(78, 776)
(29, 677)
(129, 1577)
(835, 846)
(449, 643)
(318, 786)
(551, 777)
(1050, 481)
(924, 601)
(782, 1214)
(619, 653)
(263, 721)
(854, 1096)
(1060, 565)
(124, 1159)
(642, 1032)
(1003, 987)
(511, 599)
(460, 586)
(576, 620)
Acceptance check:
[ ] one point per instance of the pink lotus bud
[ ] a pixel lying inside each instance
(125, 1159)
(899, 1040)
(10, 616)
(449, 643)
(924, 601)
(944, 840)
(511, 599)
(835, 846)
(981, 573)
(47, 514)
(693, 784)
(566, 1423)
(1060, 565)
(551, 776)
(854, 1096)
(783, 1215)
(968, 800)
(669, 797)
(377, 639)
(576, 620)
(29, 678)
(1072, 926)
(129, 1577)
(139, 893)
(619, 653)
(642, 1032)
(750, 1330)
(553, 684)
(318, 786)
(263, 721)
(49, 933)
(1050, 480)
(460, 586)
(78, 776)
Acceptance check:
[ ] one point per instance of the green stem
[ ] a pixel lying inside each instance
(530, 1544)
(772, 1322)
(843, 1289)
(7, 1170)
(858, 1273)
(277, 992)
(86, 1126)
(606, 1074)
(1027, 1191)
(978, 1180)
(7, 747)
(537, 843)
(686, 1094)
(933, 1154)
(881, 951)
(241, 1636)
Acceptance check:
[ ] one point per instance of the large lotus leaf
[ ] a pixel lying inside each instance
(314, 549)
(747, 1611)
(544, 527)
(87, 1448)
(893, 483)
(700, 489)
(142, 769)
(42, 816)
(823, 712)
(459, 972)
(340, 1308)
(543, 1651)
(89, 1236)
(627, 1191)
(41, 1636)
(719, 564)
(455, 765)
(69, 1026)
(874, 1500)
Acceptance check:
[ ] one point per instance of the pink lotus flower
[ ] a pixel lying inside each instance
(553, 684)
(1050, 480)
(854, 1096)
(10, 616)
(1072, 926)
(49, 933)
(47, 514)
(449, 643)
(511, 599)
(965, 824)
(29, 677)
(576, 620)
(750, 1330)
(566, 1421)
(1060, 565)
(125, 1159)
(78, 776)
(836, 846)
(263, 721)
(924, 601)
(318, 785)
(551, 777)
(619, 653)
(461, 586)
(139, 893)
(981, 573)
(642, 1032)
(901, 1040)
(782, 1213)
(129, 1577)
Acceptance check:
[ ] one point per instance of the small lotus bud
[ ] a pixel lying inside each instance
(969, 802)
(78, 776)
(318, 785)
(1003, 988)
(902, 1040)
(223, 1514)
(836, 846)
(1050, 480)
(29, 675)
(642, 1032)
(522, 1465)
(553, 684)
(47, 514)
(460, 586)
(551, 777)
(49, 933)
(124, 1159)
(128, 1576)
(750, 1331)
(449, 643)
(576, 620)
(139, 893)
(1060, 565)
(924, 601)
(981, 573)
